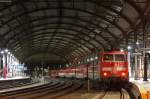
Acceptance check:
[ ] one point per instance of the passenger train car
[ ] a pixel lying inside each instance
(110, 66)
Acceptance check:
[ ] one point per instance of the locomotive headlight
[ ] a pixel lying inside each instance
(123, 74)
(120, 68)
(105, 74)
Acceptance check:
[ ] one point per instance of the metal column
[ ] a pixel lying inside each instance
(145, 56)
(88, 81)
(5, 65)
(93, 70)
(1, 65)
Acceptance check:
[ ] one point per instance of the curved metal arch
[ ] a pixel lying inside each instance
(27, 35)
(43, 24)
(73, 56)
(64, 54)
(67, 59)
(63, 33)
(63, 45)
(78, 51)
(82, 49)
(15, 3)
(45, 34)
(35, 34)
(139, 11)
(58, 48)
(76, 31)
(19, 26)
(30, 35)
(91, 1)
(36, 45)
(103, 18)
(64, 40)
(57, 54)
(73, 42)
(110, 9)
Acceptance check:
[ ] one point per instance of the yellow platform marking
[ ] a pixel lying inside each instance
(97, 96)
(144, 93)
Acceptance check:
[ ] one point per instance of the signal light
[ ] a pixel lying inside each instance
(105, 74)
(123, 74)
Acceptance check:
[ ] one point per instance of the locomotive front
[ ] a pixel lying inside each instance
(114, 66)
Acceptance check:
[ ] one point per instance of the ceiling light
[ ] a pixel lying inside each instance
(2, 52)
(96, 57)
(121, 50)
(88, 60)
(91, 59)
(6, 50)
(137, 43)
(129, 47)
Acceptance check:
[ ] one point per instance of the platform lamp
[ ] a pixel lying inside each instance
(76, 63)
(96, 62)
(92, 61)
(87, 70)
(129, 59)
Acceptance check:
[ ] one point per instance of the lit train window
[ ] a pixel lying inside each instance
(120, 57)
(108, 57)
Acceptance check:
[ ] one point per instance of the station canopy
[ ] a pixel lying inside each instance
(58, 31)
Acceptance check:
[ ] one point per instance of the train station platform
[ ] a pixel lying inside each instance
(143, 86)
(14, 78)
(30, 85)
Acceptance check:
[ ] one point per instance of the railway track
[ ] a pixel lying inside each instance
(55, 88)
(120, 94)
(122, 90)
(128, 89)
(51, 90)
(15, 83)
(108, 89)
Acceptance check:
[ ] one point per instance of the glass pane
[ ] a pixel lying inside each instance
(119, 57)
(108, 57)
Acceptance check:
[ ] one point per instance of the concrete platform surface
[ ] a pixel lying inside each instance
(94, 94)
(14, 78)
(144, 87)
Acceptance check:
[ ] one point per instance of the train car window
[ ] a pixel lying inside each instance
(119, 57)
(108, 57)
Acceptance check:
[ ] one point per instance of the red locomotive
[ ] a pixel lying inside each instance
(114, 65)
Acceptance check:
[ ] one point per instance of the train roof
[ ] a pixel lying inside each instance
(114, 52)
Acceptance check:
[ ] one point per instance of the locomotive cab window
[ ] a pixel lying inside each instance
(108, 57)
(120, 57)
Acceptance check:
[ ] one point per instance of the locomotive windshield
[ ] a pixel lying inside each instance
(119, 57)
(108, 57)
(114, 57)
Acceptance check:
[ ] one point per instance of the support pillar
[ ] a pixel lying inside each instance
(1, 65)
(93, 70)
(5, 65)
(137, 57)
(88, 81)
(145, 43)
(145, 67)
(136, 71)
